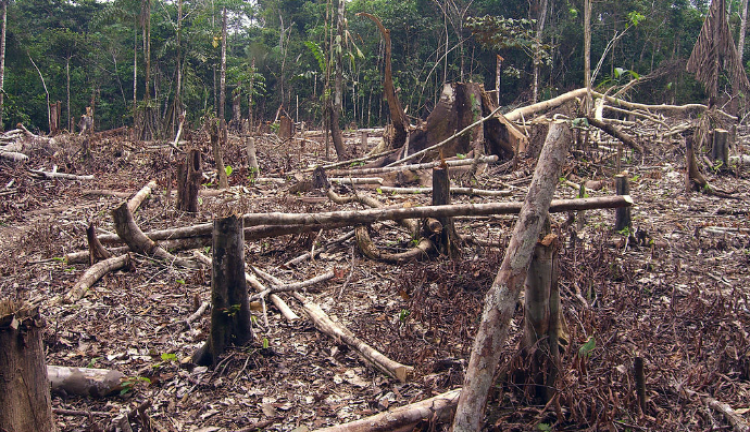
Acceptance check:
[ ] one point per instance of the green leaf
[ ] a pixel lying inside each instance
(586, 349)
(228, 169)
(169, 357)
(266, 344)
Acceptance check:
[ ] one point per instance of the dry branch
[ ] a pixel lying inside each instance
(93, 274)
(84, 381)
(295, 286)
(58, 175)
(611, 130)
(454, 191)
(369, 250)
(402, 418)
(140, 196)
(428, 165)
(13, 156)
(324, 323)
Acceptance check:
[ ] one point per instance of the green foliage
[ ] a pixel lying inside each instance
(587, 348)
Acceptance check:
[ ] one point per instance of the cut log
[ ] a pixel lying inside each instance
(93, 274)
(500, 301)
(87, 382)
(403, 418)
(24, 388)
(49, 175)
(138, 242)
(230, 306)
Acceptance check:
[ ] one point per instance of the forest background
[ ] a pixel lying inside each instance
(122, 56)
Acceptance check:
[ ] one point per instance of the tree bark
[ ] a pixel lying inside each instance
(218, 141)
(230, 313)
(622, 215)
(223, 83)
(24, 387)
(441, 195)
(500, 302)
(2, 62)
(189, 181)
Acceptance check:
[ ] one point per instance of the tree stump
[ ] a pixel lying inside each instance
(694, 180)
(622, 215)
(189, 181)
(24, 388)
(448, 239)
(230, 313)
(720, 148)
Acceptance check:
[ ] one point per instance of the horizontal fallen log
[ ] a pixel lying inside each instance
(376, 215)
(170, 245)
(454, 191)
(85, 381)
(427, 165)
(403, 417)
(13, 156)
(295, 286)
(93, 274)
(356, 181)
(203, 231)
(49, 175)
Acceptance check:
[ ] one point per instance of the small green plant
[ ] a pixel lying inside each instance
(58, 259)
(92, 362)
(544, 427)
(379, 191)
(266, 344)
(587, 349)
(169, 357)
(625, 232)
(180, 281)
(229, 170)
(403, 315)
(461, 155)
(635, 178)
(128, 385)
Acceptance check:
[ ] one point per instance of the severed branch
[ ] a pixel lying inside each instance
(427, 165)
(403, 418)
(326, 325)
(13, 156)
(611, 130)
(93, 274)
(57, 175)
(294, 286)
(257, 286)
(140, 196)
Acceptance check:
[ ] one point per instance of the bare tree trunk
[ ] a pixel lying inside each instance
(24, 387)
(537, 50)
(223, 84)
(69, 123)
(177, 111)
(2, 61)
(218, 141)
(500, 302)
(587, 52)
(743, 30)
(250, 96)
(135, 73)
(230, 313)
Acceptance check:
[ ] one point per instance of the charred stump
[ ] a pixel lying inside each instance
(24, 388)
(230, 313)
(189, 181)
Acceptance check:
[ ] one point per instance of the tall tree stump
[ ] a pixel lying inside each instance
(622, 215)
(720, 147)
(441, 195)
(25, 401)
(542, 315)
(189, 181)
(230, 313)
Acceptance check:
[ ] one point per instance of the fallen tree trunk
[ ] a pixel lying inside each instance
(428, 165)
(140, 196)
(611, 130)
(85, 381)
(376, 215)
(500, 301)
(403, 417)
(93, 274)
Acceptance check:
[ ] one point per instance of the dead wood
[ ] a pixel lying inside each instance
(295, 286)
(24, 387)
(527, 112)
(93, 274)
(138, 242)
(737, 422)
(87, 382)
(140, 196)
(313, 253)
(13, 156)
(338, 332)
(377, 215)
(500, 302)
(258, 287)
(454, 191)
(96, 250)
(189, 175)
(368, 248)
(398, 116)
(230, 306)
(403, 418)
(49, 175)
(197, 314)
(613, 131)
(413, 167)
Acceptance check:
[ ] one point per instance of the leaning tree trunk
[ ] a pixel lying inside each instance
(24, 388)
(500, 302)
(230, 313)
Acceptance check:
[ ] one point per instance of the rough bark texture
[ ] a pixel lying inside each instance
(189, 182)
(24, 388)
(230, 313)
(500, 301)
(622, 215)
(448, 239)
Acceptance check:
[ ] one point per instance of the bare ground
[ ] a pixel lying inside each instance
(674, 292)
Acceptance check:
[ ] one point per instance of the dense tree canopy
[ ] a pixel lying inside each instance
(95, 50)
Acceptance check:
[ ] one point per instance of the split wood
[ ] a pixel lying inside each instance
(324, 323)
